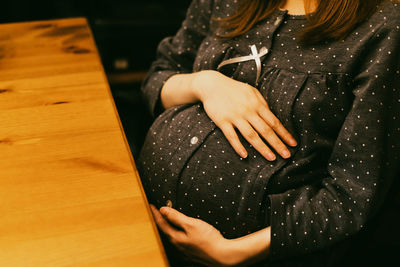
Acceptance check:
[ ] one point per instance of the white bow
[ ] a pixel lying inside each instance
(253, 56)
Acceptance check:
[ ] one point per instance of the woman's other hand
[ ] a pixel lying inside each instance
(201, 242)
(235, 105)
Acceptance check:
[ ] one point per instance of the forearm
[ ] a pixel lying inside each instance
(188, 88)
(179, 90)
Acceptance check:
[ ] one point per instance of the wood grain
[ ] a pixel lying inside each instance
(70, 194)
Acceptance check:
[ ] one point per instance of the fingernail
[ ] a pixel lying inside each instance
(271, 157)
(293, 142)
(285, 154)
(243, 154)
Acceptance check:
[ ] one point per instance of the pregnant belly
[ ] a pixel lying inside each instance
(191, 166)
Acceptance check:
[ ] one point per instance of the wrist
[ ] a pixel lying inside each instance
(245, 250)
(228, 253)
(201, 82)
(178, 90)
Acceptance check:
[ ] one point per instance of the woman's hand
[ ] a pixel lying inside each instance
(201, 242)
(232, 104)
(197, 239)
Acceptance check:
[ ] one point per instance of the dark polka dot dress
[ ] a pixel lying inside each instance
(341, 101)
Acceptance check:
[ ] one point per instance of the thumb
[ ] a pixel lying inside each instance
(176, 218)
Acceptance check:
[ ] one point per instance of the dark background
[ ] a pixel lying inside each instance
(126, 32)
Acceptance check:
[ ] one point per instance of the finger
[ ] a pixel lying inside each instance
(269, 136)
(163, 224)
(254, 139)
(233, 139)
(277, 126)
(176, 218)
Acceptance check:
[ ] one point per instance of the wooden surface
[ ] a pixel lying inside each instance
(69, 190)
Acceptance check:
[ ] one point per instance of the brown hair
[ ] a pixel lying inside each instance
(333, 19)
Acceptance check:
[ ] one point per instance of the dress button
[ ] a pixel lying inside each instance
(194, 140)
(168, 204)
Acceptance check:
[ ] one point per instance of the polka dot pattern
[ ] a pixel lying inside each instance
(340, 100)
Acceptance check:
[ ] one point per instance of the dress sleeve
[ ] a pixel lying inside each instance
(362, 167)
(176, 54)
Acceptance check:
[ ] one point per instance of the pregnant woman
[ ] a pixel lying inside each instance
(276, 138)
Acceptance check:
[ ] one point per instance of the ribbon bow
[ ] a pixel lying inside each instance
(255, 55)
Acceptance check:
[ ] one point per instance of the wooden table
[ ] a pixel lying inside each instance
(69, 189)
